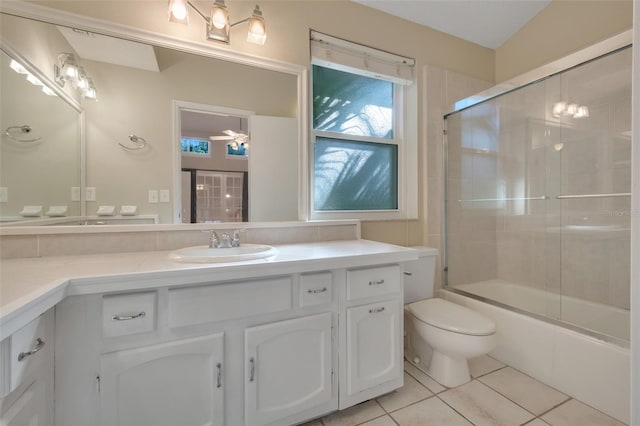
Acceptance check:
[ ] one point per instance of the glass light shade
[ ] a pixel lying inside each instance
(17, 67)
(90, 92)
(34, 80)
(178, 12)
(82, 82)
(257, 31)
(219, 26)
(68, 67)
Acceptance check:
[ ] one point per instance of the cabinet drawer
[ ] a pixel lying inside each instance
(199, 305)
(315, 289)
(25, 352)
(126, 314)
(370, 282)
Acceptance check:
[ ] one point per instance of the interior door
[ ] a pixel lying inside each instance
(273, 178)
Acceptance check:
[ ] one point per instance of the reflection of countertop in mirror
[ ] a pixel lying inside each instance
(30, 286)
(80, 220)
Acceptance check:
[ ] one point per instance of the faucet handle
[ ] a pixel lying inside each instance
(214, 241)
(235, 242)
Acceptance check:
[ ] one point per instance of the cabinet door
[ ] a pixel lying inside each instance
(288, 368)
(374, 345)
(28, 410)
(177, 383)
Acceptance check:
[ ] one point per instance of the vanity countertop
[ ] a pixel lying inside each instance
(30, 286)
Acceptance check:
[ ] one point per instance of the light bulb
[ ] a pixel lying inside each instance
(17, 67)
(219, 18)
(178, 12)
(34, 80)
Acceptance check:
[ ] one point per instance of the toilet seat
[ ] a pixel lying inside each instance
(451, 317)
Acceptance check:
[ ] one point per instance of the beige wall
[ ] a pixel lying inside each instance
(563, 27)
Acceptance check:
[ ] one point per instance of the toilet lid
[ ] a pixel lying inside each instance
(451, 316)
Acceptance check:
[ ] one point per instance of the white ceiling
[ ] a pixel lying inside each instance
(488, 23)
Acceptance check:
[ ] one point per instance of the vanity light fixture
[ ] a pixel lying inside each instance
(218, 22)
(565, 109)
(20, 69)
(68, 70)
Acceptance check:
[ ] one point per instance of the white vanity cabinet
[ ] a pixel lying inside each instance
(26, 379)
(372, 351)
(288, 368)
(172, 383)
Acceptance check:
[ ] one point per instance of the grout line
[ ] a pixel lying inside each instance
(453, 408)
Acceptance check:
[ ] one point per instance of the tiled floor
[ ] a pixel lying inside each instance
(498, 395)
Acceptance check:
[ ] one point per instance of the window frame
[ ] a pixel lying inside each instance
(403, 137)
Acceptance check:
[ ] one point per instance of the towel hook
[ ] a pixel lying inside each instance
(11, 131)
(138, 141)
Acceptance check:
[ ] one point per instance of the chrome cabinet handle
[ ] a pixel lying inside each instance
(128, 317)
(219, 375)
(376, 310)
(407, 273)
(376, 282)
(317, 290)
(39, 345)
(252, 369)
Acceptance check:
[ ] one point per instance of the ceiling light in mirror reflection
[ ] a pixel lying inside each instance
(20, 69)
(68, 70)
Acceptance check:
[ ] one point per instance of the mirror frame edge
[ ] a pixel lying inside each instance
(113, 29)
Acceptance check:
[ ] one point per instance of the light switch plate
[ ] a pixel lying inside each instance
(75, 193)
(90, 193)
(4, 194)
(164, 196)
(153, 196)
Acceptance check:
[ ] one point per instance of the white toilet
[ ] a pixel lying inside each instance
(440, 335)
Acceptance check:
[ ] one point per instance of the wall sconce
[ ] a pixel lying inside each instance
(67, 69)
(218, 23)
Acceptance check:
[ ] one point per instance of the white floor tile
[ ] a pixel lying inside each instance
(483, 406)
(380, 421)
(423, 378)
(524, 390)
(355, 415)
(574, 412)
(411, 392)
(482, 365)
(430, 412)
(536, 422)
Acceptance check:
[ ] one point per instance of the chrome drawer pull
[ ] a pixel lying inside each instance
(407, 273)
(252, 369)
(129, 317)
(376, 282)
(39, 345)
(219, 375)
(376, 310)
(317, 290)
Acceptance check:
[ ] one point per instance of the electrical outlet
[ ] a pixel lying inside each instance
(90, 193)
(153, 196)
(164, 195)
(75, 193)
(4, 194)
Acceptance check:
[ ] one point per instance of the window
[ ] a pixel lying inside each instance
(360, 153)
(195, 146)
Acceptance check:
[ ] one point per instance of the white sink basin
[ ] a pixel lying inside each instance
(206, 254)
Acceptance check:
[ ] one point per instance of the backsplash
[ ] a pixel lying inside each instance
(78, 240)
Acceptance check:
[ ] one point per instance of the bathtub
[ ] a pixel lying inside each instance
(602, 321)
(581, 365)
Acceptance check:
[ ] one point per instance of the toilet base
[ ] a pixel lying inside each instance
(448, 371)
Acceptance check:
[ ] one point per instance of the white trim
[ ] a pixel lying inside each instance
(635, 221)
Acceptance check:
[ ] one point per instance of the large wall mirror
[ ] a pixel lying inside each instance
(142, 91)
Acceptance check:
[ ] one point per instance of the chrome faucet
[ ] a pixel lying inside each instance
(225, 241)
(214, 241)
(235, 242)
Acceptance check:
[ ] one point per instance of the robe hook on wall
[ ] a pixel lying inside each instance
(14, 132)
(137, 141)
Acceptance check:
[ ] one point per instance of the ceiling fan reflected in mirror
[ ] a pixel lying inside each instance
(235, 138)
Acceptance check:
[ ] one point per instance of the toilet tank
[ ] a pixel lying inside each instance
(419, 275)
